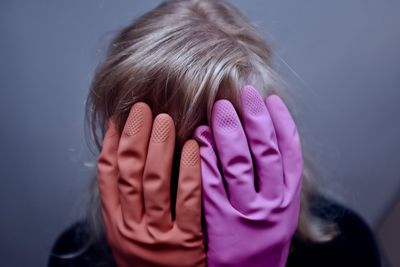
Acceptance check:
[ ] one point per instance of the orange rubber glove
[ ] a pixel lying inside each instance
(134, 176)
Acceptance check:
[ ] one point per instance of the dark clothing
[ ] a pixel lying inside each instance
(354, 246)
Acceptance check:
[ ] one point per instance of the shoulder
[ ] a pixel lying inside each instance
(75, 247)
(355, 245)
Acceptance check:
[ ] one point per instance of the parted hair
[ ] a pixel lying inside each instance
(179, 58)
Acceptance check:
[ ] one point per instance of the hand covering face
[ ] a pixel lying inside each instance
(252, 173)
(134, 176)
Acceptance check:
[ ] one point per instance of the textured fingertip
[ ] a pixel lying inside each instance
(162, 126)
(190, 153)
(135, 119)
(224, 116)
(203, 135)
(201, 132)
(252, 101)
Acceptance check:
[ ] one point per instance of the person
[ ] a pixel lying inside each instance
(180, 59)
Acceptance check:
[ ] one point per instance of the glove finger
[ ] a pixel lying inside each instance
(215, 198)
(131, 160)
(289, 145)
(234, 154)
(188, 200)
(157, 174)
(261, 136)
(108, 175)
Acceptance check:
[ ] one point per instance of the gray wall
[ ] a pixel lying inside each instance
(340, 60)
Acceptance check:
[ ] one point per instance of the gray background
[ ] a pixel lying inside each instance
(340, 60)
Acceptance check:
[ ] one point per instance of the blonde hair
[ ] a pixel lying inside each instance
(180, 58)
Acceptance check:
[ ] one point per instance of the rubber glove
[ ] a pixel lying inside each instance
(134, 176)
(252, 175)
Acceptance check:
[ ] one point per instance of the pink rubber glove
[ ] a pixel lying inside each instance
(249, 227)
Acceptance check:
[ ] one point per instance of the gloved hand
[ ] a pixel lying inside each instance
(134, 175)
(252, 177)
